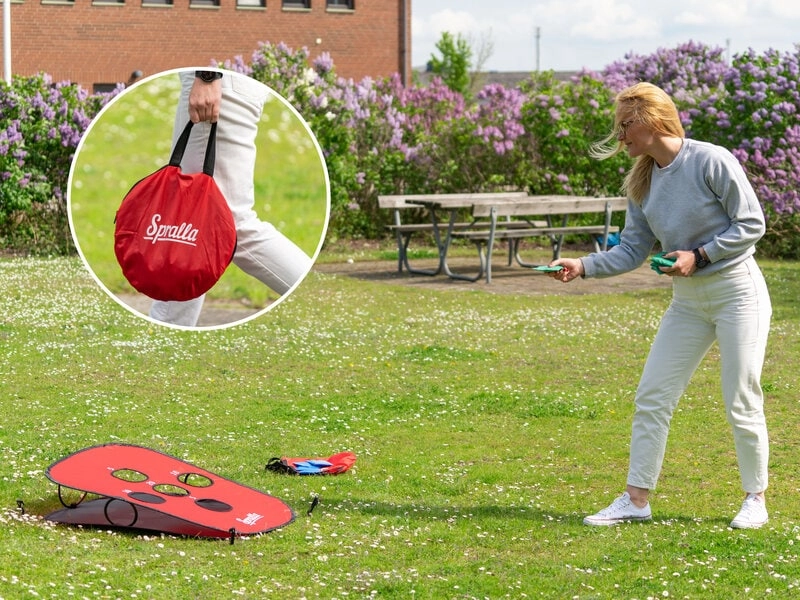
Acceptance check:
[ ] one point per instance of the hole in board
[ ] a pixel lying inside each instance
(170, 490)
(194, 479)
(130, 475)
(215, 505)
(145, 497)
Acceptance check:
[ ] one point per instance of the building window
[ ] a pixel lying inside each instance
(104, 88)
(347, 4)
(214, 3)
(156, 2)
(296, 3)
(251, 3)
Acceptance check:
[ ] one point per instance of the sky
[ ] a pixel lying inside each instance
(573, 34)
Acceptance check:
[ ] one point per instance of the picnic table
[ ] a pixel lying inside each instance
(433, 203)
(509, 216)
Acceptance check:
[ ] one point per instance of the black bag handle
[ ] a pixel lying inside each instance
(211, 149)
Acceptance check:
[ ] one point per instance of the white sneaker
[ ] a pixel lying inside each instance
(620, 511)
(752, 515)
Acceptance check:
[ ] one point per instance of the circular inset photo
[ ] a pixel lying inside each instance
(198, 199)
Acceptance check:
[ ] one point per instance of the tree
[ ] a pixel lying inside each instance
(453, 66)
(483, 50)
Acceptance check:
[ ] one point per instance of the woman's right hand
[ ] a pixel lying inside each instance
(572, 269)
(205, 100)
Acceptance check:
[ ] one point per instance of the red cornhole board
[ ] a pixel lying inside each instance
(147, 489)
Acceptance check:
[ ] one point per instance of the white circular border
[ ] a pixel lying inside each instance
(248, 318)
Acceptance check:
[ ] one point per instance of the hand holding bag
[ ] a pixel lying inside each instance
(174, 234)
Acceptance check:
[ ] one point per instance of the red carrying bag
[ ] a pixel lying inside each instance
(174, 234)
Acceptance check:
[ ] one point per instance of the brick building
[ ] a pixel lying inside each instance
(101, 42)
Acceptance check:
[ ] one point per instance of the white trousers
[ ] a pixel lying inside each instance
(732, 307)
(262, 251)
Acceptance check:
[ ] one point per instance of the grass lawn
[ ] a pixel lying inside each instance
(132, 138)
(486, 427)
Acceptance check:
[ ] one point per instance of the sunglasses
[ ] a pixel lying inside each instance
(623, 127)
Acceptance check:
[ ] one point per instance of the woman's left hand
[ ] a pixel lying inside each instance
(684, 265)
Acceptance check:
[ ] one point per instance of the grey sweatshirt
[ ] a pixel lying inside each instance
(702, 198)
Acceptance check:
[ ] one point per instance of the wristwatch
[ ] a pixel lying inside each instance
(699, 261)
(208, 76)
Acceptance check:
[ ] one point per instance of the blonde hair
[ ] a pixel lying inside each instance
(650, 105)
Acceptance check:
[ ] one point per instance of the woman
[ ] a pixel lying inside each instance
(695, 200)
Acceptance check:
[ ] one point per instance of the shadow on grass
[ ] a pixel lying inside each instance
(425, 512)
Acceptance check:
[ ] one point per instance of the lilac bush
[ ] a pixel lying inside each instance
(41, 124)
(563, 119)
(750, 107)
(382, 137)
(379, 136)
(687, 72)
(485, 148)
(760, 114)
(339, 113)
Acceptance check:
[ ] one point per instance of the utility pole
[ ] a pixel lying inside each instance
(7, 41)
(538, 39)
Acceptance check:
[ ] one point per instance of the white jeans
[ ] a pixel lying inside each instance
(732, 307)
(262, 251)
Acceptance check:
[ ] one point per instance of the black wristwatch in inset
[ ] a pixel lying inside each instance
(699, 261)
(208, 76)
